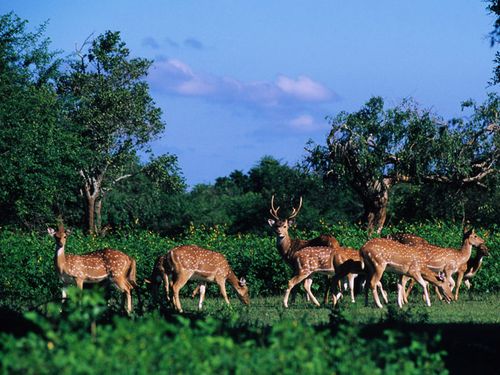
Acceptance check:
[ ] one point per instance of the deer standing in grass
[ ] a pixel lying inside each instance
(94, 267)
(288, 247)
(449, 261)
(380, 254)
(193, 262)
(347, 262)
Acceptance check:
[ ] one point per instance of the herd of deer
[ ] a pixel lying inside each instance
(408, 255)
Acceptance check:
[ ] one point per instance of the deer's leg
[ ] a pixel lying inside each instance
(418, 278)
(196, 291)
(180, 281)
(460, 277)
(166, 285)
(291, 283)
(375, 279)
(64, 293)
(307, 284)
(202, 288)
(410, 287)
(222, 287)
(307, 287)
(404, 296)
(351, 277)
(125, 287)
(384, 293)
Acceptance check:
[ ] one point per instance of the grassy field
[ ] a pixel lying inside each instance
(264, 311)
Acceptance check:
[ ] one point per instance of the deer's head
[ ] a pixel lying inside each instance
(473, 238)
(59, 236)
(280, 226)
(243, 291)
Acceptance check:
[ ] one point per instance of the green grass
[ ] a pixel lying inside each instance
(265, 311)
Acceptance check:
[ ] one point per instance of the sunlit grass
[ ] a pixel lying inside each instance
(266, 311)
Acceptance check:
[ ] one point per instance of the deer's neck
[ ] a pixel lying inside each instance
(233, 280)
(465, 252)
(60, 259)
(288, 246)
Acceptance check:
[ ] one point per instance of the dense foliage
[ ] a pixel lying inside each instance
(82, 343)
(28, 278)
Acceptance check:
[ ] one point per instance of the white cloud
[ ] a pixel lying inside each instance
(304, 88)
(173, 76)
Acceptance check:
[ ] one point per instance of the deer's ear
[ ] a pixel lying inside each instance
(51, 232)
(291, 222)
(271, 222)
(68, 232)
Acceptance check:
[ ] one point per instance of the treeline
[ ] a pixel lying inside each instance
(72, 130)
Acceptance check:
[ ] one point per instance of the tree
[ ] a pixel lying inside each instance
(374, 149)
(37, 155)
(109, 103)
(494, 8)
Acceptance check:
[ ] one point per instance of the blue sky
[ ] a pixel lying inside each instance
(238, 80)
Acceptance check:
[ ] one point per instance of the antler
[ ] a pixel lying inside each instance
(295, 211)
(274, 211)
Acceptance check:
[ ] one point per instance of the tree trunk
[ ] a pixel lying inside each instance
(90, 201)
(375, 202)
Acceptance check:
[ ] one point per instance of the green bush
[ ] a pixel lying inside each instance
(78, 342)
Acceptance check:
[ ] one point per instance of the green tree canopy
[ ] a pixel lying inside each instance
(109, 103)
(37, 148)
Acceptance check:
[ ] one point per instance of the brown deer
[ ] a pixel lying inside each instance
(288, 246)
(159, 276)
(190, 261)
(448, 260)
(307, 261)
(347, 262)
(465, 272)
(470, 270)
(94, 267)
(380, 254)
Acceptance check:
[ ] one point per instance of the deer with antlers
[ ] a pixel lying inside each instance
(448, 260)
(380, 254)
(288, 247)
(193, 262)
(94, 267)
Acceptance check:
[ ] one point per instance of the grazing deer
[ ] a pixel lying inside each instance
(380, 254)
(190, 261)
(448, 260)
(288, 246)
(94, 267)
(347, 262)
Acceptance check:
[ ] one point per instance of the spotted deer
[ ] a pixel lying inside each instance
(193, 262)
(449, 261)
(94, 267)
(159, 276)
(288, 246)
(380, 254)
(348, 263)
(307, 261)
